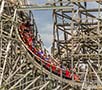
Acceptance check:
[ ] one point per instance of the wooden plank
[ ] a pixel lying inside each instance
(86, 0)
(45, 85)
(43, 7)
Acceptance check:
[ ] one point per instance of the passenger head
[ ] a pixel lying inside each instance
(27, 23)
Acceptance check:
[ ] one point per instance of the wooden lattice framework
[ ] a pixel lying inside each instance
(77, 38)
(80, 43)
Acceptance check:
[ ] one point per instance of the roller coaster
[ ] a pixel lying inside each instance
(75, 63)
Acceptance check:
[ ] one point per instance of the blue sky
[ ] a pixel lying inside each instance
(44, 23)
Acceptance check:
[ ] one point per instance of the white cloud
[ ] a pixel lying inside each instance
(46, 29)
(46, 34)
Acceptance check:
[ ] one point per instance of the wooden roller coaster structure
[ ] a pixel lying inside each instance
(76, 43)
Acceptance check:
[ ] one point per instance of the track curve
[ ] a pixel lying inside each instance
(32, 56)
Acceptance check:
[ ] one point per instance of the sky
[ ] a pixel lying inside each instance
(44, 21)
(45, 26)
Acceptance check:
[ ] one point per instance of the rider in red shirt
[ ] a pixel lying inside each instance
(67, 73)
(76, 77)
(54, 67)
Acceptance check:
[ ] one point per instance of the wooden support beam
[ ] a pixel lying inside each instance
(64, 31)
(42, 88)
(57, 88)
(32, 82)
(43, 7)
(15, 72)
(66, 86)
(86, 0)
(84, 10)
(20, 80)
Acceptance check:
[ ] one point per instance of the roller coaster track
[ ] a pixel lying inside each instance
(32, 57)
(39, 66)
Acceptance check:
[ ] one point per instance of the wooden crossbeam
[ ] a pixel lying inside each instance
(33, 7)
(86, 0)
(84, 10)
(42, 88)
